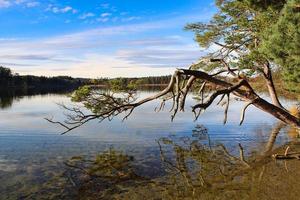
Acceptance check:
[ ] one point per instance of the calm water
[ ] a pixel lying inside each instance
(128, 158)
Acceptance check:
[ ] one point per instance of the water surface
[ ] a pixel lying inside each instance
(37, 162)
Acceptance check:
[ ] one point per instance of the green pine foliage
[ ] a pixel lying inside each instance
(253, 33)
(282, 43)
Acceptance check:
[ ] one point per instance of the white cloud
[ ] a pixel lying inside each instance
(128, 19)
(127, 50)
(57, 10)
(86, 15)
(32, 4)
(66, 9)
(105, 14)
(5, 3)
(102, 19)
(25, 3)
(19, 1)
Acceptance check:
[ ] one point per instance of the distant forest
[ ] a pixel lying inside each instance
(131, 83)
(8, 79)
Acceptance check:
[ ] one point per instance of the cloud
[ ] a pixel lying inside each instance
(102, 19)
(105, 14)
(86, 15)
(107, 6)
(126, 50)
(57, 10)
(32, 4)
(161, 54)
(66, 9)
(128, 19)
(20, 1)
(5, 3)
(25, 57)
(26, 3)
(7, 64)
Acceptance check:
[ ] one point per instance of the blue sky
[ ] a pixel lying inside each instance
(99, 38)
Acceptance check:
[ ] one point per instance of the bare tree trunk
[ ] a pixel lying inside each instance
(277, 112)
(275, 131)
(250, 96)
(270, 84)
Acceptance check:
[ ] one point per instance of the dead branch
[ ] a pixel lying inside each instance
(201, 91)
(273, 135)
(242, 157)
(110, 107)
(286, 150)
(248, 95)
(244, 111)
(283, 157)
(287, 155)
(226, 109)
(233, 158)
(231, 71)
(185, 91)
(216, 94)
(221, 99)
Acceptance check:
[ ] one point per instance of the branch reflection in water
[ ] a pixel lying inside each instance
(194, 169)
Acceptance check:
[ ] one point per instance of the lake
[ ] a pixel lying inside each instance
(144, 157)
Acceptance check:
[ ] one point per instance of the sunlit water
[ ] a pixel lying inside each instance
(32, 151)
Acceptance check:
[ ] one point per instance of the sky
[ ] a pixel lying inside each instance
(100, 38)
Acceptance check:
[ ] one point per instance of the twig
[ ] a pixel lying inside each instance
(226, 109)
(242, 157)
(243, 112)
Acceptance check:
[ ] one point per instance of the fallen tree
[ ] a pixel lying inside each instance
(238, 35)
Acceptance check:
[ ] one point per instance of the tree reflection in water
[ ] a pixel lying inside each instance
(10, 95)
(195, 169)
(202, 172)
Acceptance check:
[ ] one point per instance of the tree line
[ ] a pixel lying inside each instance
(131, 83)
(10, 80)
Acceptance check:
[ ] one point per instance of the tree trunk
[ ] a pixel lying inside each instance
(249, 96)
(271, 87)
(277, 112)
(275, 131)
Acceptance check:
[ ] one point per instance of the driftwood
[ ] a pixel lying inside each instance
(286, 155)
(289, 156)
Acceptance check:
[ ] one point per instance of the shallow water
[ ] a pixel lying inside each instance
(36, 161)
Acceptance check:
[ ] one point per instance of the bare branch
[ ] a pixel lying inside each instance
(233, 158)
(242, 157)
(227, 67)
(185, 91)
(226, 108)
(217, 93)
(221, 99)
(201, 91)
(243, 112)
(287, 150)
